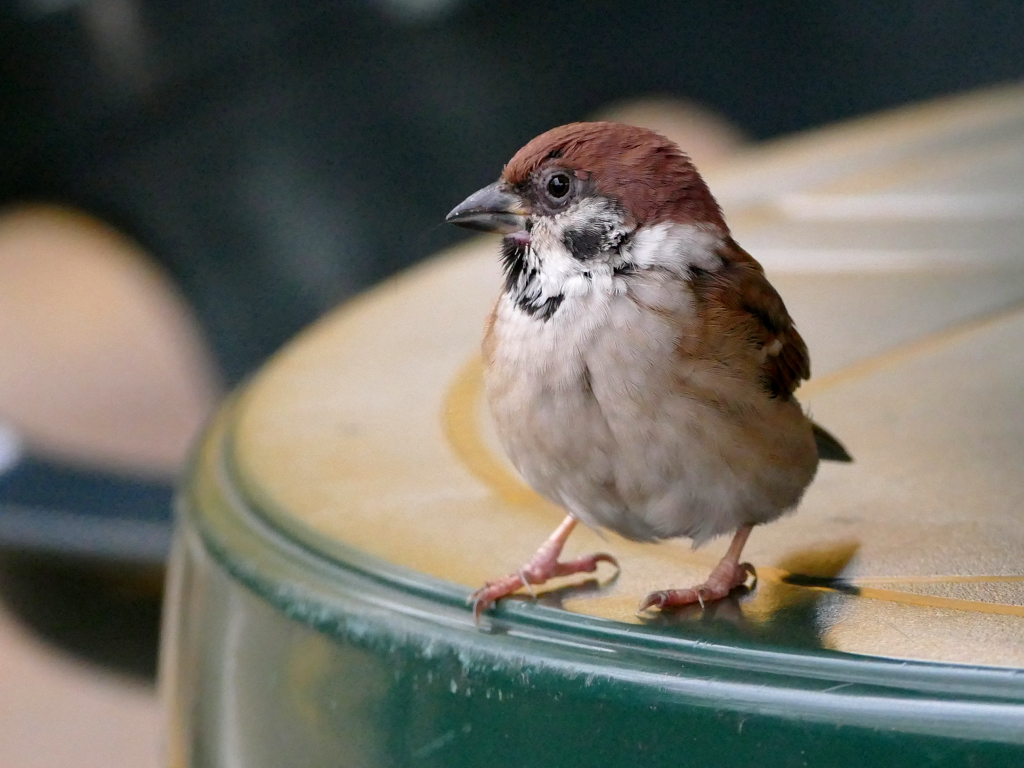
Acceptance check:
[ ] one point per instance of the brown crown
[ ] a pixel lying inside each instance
(642, 169)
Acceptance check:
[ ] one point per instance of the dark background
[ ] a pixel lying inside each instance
(278, 155)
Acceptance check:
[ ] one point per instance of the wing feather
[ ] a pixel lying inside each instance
(739, 299)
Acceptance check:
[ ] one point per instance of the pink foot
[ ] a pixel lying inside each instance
(725, 578)
(542, 566)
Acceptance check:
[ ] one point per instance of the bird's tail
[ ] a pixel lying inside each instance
(829, 449)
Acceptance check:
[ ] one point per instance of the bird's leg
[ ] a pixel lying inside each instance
(728, 574)
(542, 566)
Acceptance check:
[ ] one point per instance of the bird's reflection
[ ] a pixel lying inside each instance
(793, 604)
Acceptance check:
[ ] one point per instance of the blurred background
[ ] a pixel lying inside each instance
(184, 185)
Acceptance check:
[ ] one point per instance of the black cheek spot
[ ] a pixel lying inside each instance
(583, 244)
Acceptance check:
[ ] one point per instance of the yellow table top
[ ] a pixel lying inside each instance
(897, 242)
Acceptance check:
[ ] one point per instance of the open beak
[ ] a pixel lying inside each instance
(491, 209)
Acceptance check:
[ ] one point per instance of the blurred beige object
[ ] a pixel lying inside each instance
(58, 711)
(102, 362)
(703, 134)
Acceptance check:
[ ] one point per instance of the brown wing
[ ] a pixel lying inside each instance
(750, 305)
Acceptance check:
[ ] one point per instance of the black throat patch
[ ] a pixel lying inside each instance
(513, 263)
(522, 282)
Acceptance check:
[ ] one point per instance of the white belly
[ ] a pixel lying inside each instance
(590, 409)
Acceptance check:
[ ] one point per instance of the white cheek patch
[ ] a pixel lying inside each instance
(593, 213)
(557, 272)
(587, 231)
(554, 262)
(676, 247)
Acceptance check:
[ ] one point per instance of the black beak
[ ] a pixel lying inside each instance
(491, 209)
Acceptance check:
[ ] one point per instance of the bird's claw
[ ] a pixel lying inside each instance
(526, 583)
(534, 572)
(718, 586)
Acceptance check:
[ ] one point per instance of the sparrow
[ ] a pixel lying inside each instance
(639, 367)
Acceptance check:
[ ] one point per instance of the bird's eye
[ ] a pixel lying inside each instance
(558, 186)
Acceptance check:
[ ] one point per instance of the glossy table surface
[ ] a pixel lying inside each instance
(898, 245)
(350, 497)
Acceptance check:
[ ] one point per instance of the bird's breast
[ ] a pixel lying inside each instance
(602, 411)
(620, 336)
(565, 394)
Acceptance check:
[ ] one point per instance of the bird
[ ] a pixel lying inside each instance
(639, 367)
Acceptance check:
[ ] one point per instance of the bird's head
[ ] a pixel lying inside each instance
(587, 189)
